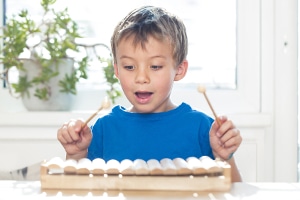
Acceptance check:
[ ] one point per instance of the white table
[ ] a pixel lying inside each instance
(239, 191)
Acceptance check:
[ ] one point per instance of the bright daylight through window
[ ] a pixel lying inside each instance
(211, 28)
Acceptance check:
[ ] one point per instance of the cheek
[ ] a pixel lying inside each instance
(125, 81)
(164, 84)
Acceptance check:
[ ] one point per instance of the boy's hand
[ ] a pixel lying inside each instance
(75, 139)
(224, 139)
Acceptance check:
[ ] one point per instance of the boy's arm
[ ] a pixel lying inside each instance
(75, 137)
(225, 139)
(235, 174)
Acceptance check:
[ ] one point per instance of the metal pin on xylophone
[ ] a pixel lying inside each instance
(192, 174)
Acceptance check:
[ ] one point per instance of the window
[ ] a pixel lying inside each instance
(214, 27)
(208, 38)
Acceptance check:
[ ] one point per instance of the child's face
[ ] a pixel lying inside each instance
(147, 75)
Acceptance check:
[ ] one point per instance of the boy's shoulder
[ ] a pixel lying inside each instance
(182, 110)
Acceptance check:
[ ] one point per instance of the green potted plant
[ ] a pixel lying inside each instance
(112, 92)
(48, 58)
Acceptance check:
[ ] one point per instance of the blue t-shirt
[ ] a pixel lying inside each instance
(181, 132)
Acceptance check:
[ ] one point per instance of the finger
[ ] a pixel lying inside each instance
(219, 129)
(74, 129)
(232, 148)
(233, 142)
(64, 138)
(231, 136)
(85, 136)
(225, 153)
(79, 125)
(214, 129)
(60, 137)
(230, 151)
(223, 119)
(83, 129)
(225, 127)
(65, 135)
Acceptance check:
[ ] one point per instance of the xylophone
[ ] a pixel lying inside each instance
(192, 174)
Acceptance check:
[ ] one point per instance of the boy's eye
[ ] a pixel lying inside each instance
(129, 67)
(156, 67)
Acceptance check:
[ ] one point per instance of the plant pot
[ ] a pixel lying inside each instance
(58, 101)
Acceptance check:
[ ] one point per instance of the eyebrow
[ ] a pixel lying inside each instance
(156, 56)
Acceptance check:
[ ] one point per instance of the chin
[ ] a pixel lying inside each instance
(138, 108)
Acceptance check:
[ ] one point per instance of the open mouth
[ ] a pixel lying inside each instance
(143, 95)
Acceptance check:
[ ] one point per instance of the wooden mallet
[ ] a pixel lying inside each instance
(105, 104)
(202, 90)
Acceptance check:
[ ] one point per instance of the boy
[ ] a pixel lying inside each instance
(149, 48)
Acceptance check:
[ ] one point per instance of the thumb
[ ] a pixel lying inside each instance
(217, 124)
(83, 130)
(86, 133)
(215, 127)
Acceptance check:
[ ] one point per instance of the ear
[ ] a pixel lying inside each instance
(116, 70)
(181, 70)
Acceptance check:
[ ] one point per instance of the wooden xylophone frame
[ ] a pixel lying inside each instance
(217, 178)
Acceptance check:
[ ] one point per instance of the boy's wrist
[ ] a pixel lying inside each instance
(77, 156)
(230, 156)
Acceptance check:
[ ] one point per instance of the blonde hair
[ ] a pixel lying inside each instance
(156, 22)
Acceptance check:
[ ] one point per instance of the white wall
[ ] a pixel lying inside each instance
(285, 89)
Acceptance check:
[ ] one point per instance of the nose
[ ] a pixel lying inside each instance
(142, 76)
